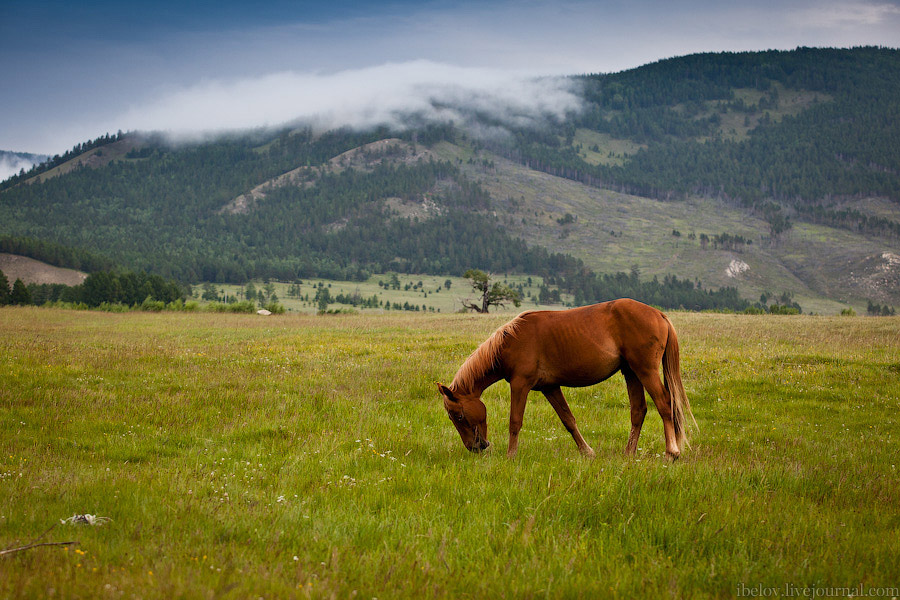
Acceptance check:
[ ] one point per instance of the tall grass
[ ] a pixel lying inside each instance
(299, 456)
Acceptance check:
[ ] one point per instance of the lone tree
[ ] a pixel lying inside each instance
(491, 295)
(323, 298)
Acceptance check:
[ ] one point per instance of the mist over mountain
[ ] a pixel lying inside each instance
(13, 162)
(710, 180)
(398, 96)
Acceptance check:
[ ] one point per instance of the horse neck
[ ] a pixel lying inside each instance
(468, 385)
(477, 386)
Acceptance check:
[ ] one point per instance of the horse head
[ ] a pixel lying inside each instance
(469, 416)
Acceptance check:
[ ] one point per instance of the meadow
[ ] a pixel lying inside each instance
(424, 293)
(296, 456)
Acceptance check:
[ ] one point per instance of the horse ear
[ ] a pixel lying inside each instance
(445, 391)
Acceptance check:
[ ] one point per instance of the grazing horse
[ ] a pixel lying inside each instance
(543, 350)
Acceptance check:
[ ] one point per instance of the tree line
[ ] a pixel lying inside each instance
(100, 288)
(55, 254)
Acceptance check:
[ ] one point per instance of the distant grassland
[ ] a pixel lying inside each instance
(299, 456)
(427, 292)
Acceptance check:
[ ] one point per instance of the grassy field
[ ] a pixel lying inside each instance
(238, 456)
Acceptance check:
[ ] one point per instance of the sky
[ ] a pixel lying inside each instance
(73, 71)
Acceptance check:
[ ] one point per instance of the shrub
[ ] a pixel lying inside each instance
(275, 308)
(149, 304)
(782, 309)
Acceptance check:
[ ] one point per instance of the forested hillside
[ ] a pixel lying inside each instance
(162, 210)
(785, 138)
(159, 210)
(785, 134)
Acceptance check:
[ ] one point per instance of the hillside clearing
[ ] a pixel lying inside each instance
(30, 270)
(613, 231)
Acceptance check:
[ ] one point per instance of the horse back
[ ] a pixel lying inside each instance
(585, 345)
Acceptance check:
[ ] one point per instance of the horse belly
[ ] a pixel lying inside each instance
(589, 373)
(580, 365)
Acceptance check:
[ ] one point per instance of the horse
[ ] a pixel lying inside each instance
(543, 350)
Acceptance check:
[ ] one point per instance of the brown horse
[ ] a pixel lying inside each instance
(543, 350)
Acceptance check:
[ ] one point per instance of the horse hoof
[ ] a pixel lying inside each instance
(672, 457)
(589, 453)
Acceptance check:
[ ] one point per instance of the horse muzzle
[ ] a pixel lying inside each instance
(479, 446)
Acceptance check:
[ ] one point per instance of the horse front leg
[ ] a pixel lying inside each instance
(558, 402)
(518, 398)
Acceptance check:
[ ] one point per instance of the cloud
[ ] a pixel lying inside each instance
(11, 164)
(847, 15)
(187, 68)
(388, 94)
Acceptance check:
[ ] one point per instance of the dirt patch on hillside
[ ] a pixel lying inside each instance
(35, 271)
(93, 159)
(877, 277)
(364, 158)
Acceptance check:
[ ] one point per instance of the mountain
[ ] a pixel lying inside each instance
(14, 162)
(773, 174)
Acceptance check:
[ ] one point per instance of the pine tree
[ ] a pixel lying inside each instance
(20, 294)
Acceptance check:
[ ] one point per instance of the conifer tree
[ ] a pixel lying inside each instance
(20, 294)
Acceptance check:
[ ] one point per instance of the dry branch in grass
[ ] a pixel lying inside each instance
(35, 544)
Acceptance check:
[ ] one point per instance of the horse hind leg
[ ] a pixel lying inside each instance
(559, 404)
(649, 378)
(638, 403)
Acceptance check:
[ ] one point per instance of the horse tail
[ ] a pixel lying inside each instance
(681, 406)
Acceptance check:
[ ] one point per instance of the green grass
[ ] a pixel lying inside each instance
(609, 150)
(300, 456)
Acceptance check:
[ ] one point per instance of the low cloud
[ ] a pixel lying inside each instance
(390, 94)
(11, 164)
(845, 15)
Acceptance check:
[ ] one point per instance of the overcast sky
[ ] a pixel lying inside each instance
(75, 70)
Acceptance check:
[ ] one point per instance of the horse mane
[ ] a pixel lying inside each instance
(483, 360)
